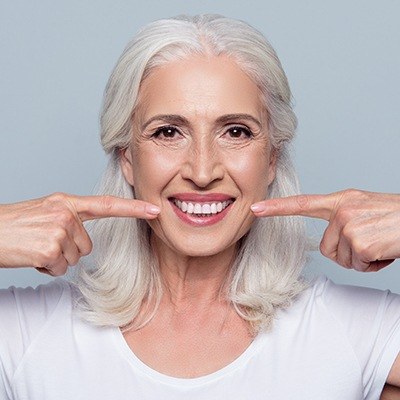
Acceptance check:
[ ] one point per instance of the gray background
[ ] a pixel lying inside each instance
(342, 59)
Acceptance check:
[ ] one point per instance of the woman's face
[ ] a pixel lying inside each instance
(200, 151)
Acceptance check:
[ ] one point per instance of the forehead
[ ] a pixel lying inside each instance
(199, 86)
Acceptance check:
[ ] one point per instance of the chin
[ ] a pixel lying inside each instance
(203, 249)
(195, 243)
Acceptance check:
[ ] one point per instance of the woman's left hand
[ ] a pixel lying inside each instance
(364, 227)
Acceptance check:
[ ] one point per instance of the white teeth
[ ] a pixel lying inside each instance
(206, 209)
(201, 209)
(197, 208)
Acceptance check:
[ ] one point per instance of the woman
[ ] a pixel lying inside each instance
(196, 296)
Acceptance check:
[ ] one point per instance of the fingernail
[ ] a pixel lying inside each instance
(258, 207)
(153, 210)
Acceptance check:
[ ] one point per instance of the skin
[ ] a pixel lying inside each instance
(390, 392)
(48, 233)
(202, 157)
(356, 220)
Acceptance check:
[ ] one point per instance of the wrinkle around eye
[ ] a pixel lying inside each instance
(245, 133)
(257, 138)
(236, 134)
(159, 138)
(166, 132)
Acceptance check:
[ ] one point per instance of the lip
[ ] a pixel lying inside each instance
(201, 198)
(195, 221)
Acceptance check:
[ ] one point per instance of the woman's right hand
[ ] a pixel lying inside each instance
(48, 233)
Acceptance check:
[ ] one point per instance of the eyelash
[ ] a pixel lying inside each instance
(163, 129)
(249, 134)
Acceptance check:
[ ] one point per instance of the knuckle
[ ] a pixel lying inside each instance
(107, 203)
(369, 254)
(355, 194)
(51, 253)
(303, 201)
(357, 246)
(74, 259)
(323, 249)
(62, 268)
(344, 215)
(364, 251)
(351, 192)
(348, 233)
(57, 197)
(66, 218)
(328, 251)
(86, 248)
(58, 206)
(59, 267)
(59, 234)
(59, 271)
(357, 266)
(346, 262)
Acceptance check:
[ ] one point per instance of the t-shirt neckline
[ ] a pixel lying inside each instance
(143, 368)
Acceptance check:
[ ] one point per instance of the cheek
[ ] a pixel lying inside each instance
(252, 172)
(152, 172)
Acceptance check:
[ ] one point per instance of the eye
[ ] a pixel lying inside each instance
(239, 132)
(166, 133)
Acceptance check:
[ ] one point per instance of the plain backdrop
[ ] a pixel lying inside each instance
(342, 59)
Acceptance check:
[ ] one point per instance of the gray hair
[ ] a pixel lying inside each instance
(266, 274)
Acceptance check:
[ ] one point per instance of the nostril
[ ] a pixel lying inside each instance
(202, 165)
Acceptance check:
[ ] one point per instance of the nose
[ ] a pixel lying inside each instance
(203, 163)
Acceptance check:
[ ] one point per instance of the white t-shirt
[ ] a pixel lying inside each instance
(335, 343)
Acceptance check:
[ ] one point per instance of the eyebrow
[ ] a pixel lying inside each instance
(178, 119)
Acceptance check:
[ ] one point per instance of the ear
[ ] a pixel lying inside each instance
(272, 166)
(125, 160)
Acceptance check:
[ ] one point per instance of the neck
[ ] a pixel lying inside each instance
(193, 281)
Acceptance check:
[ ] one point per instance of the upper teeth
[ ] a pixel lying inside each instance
(204, 208)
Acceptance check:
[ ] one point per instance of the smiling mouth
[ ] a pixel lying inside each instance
(202, 209)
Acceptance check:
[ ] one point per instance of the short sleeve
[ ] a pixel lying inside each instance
(370, 319)
(23, 313)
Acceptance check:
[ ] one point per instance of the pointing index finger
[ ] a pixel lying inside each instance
(307, 205)
(95, 207)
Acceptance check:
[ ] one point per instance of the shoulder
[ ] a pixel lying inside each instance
(344, 300)
(38, 301)
(369, 320)
(24, 311)
(346, 325)
(24, 314)
(353, 307)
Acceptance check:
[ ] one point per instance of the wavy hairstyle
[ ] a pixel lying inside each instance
(124, 274)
